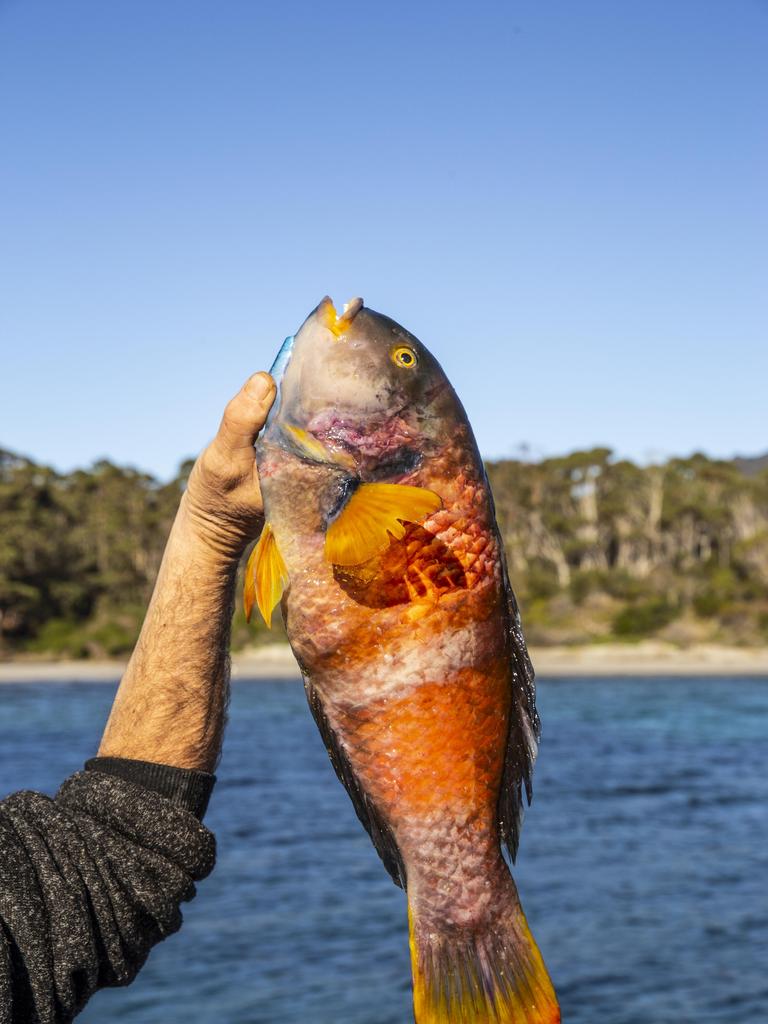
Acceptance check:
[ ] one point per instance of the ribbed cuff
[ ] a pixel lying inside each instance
(182, 786)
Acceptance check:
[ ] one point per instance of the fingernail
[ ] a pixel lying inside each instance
(260, 385)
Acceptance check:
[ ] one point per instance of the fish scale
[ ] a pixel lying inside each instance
(383, 549)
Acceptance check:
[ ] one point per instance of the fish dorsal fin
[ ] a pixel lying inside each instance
(266, 577)
(374, 512)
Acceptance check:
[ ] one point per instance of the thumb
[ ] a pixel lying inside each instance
(245, 415)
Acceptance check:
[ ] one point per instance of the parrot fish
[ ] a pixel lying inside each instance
(381, 546)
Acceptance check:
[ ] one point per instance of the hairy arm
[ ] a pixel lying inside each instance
(171, 704)
(92, 879)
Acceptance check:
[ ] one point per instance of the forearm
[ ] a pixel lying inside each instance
(172, 701)
(91, 880)
(171, 704)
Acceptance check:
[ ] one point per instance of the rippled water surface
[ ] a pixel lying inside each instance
(643, 864)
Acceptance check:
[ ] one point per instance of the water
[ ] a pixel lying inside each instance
(642, 869)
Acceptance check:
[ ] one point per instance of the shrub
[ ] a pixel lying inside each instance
(582, 584)
(61, 637)
(644, 618)
(541, 580)
(622, 585)
(112, 638)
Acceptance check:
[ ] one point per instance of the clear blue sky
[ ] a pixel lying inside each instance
(567, 201)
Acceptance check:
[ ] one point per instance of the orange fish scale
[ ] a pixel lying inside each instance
(449, 737)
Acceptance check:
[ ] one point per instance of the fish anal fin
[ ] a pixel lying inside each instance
(266, 577)
(374, 514)
(374, 824)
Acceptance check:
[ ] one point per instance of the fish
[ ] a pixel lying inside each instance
(380, 545)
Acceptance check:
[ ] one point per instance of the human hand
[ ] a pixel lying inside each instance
(170, 706)
(222, 504)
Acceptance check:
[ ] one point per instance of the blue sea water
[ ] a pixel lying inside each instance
(643, 866)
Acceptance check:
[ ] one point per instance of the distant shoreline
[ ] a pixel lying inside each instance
(275, 661)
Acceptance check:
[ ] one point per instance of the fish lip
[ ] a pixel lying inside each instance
(337, 323)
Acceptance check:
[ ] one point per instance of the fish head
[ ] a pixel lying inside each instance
(358, 391)
(365, 444)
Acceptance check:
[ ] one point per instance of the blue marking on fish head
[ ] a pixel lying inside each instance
(281, 359)
(276, 371)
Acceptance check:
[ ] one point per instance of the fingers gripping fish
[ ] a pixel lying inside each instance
(381, 543)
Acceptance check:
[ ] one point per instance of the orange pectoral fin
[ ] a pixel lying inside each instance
(266, 577)
(373, 513)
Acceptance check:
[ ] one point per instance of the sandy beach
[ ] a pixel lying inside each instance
(275, 661)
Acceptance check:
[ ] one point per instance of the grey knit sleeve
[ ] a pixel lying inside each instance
(89, 882)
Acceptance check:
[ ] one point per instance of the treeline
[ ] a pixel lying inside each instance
(598, 548)
(603, 548)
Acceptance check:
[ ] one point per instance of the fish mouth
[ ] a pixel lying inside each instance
(297, 439)
(338, 323)
(325, 312)
(381, 444)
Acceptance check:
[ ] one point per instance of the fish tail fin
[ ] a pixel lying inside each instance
(488, 974)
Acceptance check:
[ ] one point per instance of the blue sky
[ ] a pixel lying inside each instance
(566, 201)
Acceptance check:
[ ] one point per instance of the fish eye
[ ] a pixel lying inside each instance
(404, 356)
